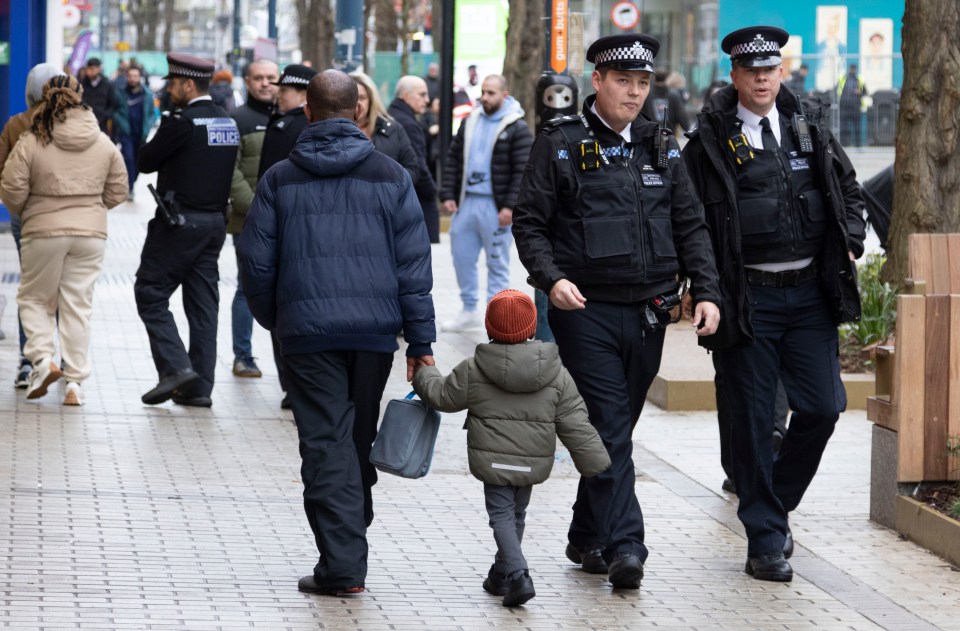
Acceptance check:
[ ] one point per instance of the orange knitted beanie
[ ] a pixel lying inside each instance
(511, 317)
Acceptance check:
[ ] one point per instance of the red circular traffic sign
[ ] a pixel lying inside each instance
(625, 15)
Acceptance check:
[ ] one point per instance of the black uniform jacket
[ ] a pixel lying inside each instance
(194, 151)
(622, 232)
(280, 138)
(712, 168)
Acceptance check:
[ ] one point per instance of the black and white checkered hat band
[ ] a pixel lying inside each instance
(184, 71)
(755, 46)
(635, 52)
(291, 80)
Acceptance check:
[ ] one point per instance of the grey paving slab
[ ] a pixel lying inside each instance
(123, 516)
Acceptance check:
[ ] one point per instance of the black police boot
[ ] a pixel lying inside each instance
(626, 571)
(496, 583)
(788, 544)
(769, 567)
(521, 590)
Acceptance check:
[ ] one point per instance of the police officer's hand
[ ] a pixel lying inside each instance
(505, 216)
(565, 295)
(853, 257)
(416, 362)
(706, 318)
(450, 205)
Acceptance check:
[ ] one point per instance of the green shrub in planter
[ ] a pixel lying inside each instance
(878, 301)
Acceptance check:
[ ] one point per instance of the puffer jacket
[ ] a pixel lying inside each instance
(252, 120)
(510, 153)
(519, 399)
(334, 254)
(391, 140)
(65, 187)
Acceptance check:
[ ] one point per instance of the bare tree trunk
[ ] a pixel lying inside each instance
(405, 37)
(927, 172)
(169, 11)
(316, 32)
(369, 10)
(145, 15)
(436, 18)
(385, 18)
(523, 62)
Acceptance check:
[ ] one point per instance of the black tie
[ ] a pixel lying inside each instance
(766, 135)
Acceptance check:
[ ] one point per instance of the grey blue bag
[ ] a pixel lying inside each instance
(405, 442)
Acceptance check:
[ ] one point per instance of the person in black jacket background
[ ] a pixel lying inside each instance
(786, 220)
(99, 94)
(481, 179)
(605, 222)
(388, 137)
(194, 152)
(410, 100)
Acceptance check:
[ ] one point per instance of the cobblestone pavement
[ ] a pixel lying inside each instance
(124, 516)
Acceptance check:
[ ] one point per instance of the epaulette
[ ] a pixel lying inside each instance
(553, 123)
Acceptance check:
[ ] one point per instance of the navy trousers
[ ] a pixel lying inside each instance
(795, 338)
(335, 396)
(613, 362)
(185, 257)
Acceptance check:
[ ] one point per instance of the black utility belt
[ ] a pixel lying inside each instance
(786, 278)
(187, 210)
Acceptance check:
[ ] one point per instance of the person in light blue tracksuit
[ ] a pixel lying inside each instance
(481, 179)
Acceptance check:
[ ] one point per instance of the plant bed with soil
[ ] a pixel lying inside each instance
(944, 498)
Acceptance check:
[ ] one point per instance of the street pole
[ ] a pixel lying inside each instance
(236, 38)
(349, 34)
(446, 78)
(272, 20)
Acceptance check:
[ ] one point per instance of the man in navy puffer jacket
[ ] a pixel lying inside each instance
(334, 256)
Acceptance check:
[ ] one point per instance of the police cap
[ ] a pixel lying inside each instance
(183, 65)
(630, 51)
(755, 46)
(296, 75)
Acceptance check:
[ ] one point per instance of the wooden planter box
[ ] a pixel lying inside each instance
(929, 528)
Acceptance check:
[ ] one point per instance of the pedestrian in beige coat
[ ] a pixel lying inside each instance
(61, 178)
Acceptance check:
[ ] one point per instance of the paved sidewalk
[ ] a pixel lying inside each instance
(124, 516)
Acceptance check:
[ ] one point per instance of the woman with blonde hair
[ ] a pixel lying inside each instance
(388, 138)
(61, 178)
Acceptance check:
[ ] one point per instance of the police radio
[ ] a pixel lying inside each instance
(802, 129)
(662, 146)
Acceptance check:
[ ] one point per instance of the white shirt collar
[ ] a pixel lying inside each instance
(751, 125)
(205, 97)
(624, 133)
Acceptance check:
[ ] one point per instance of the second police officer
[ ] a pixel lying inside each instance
(605, 223)
(193, 151)
(786, 220)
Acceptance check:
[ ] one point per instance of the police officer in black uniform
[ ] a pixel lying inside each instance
(194, 152)
(605, 223)
(786, 220)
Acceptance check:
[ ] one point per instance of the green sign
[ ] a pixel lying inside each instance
(4, 53)
(481, 31)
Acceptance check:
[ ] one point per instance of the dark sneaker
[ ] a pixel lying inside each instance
(308, 584)
(521, 590)
(246, 368)
(496, 584)
(769, 567)
(164, 390)
(590, 559)
(626, 571)
(23, 375)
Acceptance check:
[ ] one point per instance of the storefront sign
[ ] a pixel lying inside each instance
(558, 37)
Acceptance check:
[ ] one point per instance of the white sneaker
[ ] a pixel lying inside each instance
(44, 374)
(464, 320)
(73, 395)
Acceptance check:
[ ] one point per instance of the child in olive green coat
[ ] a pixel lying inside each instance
(519, 400)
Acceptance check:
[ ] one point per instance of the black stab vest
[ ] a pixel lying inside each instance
(201, 172)
(782, 212)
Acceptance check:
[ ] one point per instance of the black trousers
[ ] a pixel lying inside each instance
(335, 396)
(185, 257)
(796, 339)
(725, 421)
(613, 362)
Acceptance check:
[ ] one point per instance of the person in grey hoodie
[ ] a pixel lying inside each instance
(481, 181)
(519, 400)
